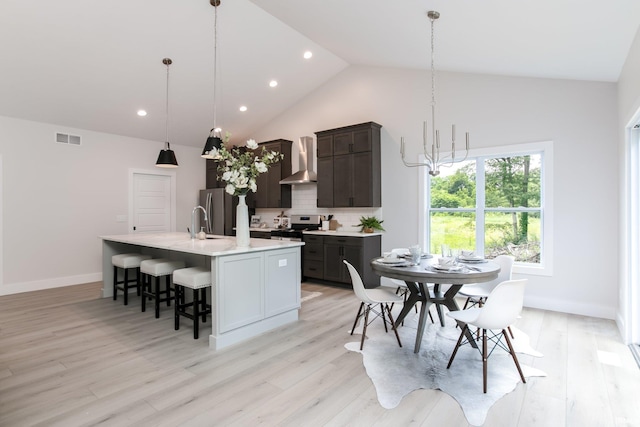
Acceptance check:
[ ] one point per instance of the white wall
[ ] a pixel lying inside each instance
(58, 198)
(580, 117)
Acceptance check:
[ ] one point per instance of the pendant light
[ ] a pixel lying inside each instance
(433, 157)
(167, 158)
(214, 140)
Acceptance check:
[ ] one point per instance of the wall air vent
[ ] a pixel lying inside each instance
(68, 139)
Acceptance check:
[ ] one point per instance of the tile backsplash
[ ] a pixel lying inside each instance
(304, 202)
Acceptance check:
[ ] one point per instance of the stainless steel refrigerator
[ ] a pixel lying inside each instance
(221, 212)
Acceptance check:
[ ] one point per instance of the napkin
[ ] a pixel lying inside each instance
(447, 262)
(469, 255)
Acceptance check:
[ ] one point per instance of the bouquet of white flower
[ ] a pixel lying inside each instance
(240, 167)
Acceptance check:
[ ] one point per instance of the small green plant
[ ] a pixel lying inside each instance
(370, 223)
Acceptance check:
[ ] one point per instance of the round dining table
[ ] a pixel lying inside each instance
(418, 277)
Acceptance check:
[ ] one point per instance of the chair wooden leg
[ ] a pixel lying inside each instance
(384, 319)
(513, 355)
(510, 332)
(466, 303)
(393, 325)
(484, 360)
(126, 286)
(138, 287)
(357, 317)
(364, 329)
(455, 350)
(176, 306)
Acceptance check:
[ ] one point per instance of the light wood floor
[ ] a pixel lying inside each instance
(69, 358)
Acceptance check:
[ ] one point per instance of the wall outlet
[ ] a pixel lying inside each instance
(282, 262)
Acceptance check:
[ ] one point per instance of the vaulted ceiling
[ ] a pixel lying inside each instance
(92, 64)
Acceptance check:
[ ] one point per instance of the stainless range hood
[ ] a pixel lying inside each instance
(305, 174)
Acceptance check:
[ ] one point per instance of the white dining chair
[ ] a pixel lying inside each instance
(477, 293)
(369, 298)
(500, 310)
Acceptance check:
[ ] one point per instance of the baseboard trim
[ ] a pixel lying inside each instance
(570, 307)
(59, 282)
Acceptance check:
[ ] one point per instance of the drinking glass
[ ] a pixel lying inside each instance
(416, 252)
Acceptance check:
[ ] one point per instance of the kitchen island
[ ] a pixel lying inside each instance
(254, 289)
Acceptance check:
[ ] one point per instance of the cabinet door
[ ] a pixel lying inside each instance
(325, 146)
(343, 181)
(282, 284)
(353, 255)
(261, 195)
(361, 179)
(274, 175)
(342, 143)
(361, 141)
(333, 266)
(325, 182)
(212, 175)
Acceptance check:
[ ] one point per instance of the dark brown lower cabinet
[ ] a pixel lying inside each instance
(323, 256)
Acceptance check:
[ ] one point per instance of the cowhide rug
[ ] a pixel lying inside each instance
(396, 372)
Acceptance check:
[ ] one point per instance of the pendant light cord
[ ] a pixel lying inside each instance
(168, 62)
(215, 62)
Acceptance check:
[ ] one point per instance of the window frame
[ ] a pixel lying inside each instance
(545, 149)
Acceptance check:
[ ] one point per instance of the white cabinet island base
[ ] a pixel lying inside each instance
(254, 289)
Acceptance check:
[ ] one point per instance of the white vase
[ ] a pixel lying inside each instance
(242, 223)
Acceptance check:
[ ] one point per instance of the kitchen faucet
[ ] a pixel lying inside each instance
(193, 220)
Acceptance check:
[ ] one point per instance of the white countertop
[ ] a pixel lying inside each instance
(217, 246)
(338, 233)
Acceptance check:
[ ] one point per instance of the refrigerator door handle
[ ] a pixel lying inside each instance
(209, 214)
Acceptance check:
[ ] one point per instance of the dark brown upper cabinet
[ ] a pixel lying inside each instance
(349, 172)
(270, 193)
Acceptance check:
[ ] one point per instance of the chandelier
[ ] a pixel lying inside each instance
(214, 140)
(434, 159)
(167, 158)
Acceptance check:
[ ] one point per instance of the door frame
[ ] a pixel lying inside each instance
(172, 185)
(629, 292)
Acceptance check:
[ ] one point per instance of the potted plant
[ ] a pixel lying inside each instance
(370, 223)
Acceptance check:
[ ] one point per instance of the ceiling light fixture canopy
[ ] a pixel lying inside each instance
(433, 158)
(215, 139)
(167, 158)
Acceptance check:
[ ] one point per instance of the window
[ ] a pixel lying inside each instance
(498, 201)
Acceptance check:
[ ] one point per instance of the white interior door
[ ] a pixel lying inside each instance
(152, 203)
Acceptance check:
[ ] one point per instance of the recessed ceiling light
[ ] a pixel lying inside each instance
(273, 83)
(308, 54)
(142, 113)
(243, 108)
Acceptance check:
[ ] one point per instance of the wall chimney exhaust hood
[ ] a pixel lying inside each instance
(305, 174)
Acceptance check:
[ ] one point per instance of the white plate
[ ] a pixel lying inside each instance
(392, 261)
(423, 256)
(472, 260)
(447, 267)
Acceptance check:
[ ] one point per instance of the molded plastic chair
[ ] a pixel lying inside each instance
(501, 309)
(369, 298)
(477, 293)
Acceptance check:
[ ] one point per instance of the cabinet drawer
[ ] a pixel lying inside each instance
(313, 269)
(344, 241)
(313, 251)
(310, 238)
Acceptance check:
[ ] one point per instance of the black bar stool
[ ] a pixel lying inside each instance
(198, 279)
(157, 268)
(126, 262)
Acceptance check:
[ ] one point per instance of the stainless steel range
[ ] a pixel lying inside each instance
(299, 223)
